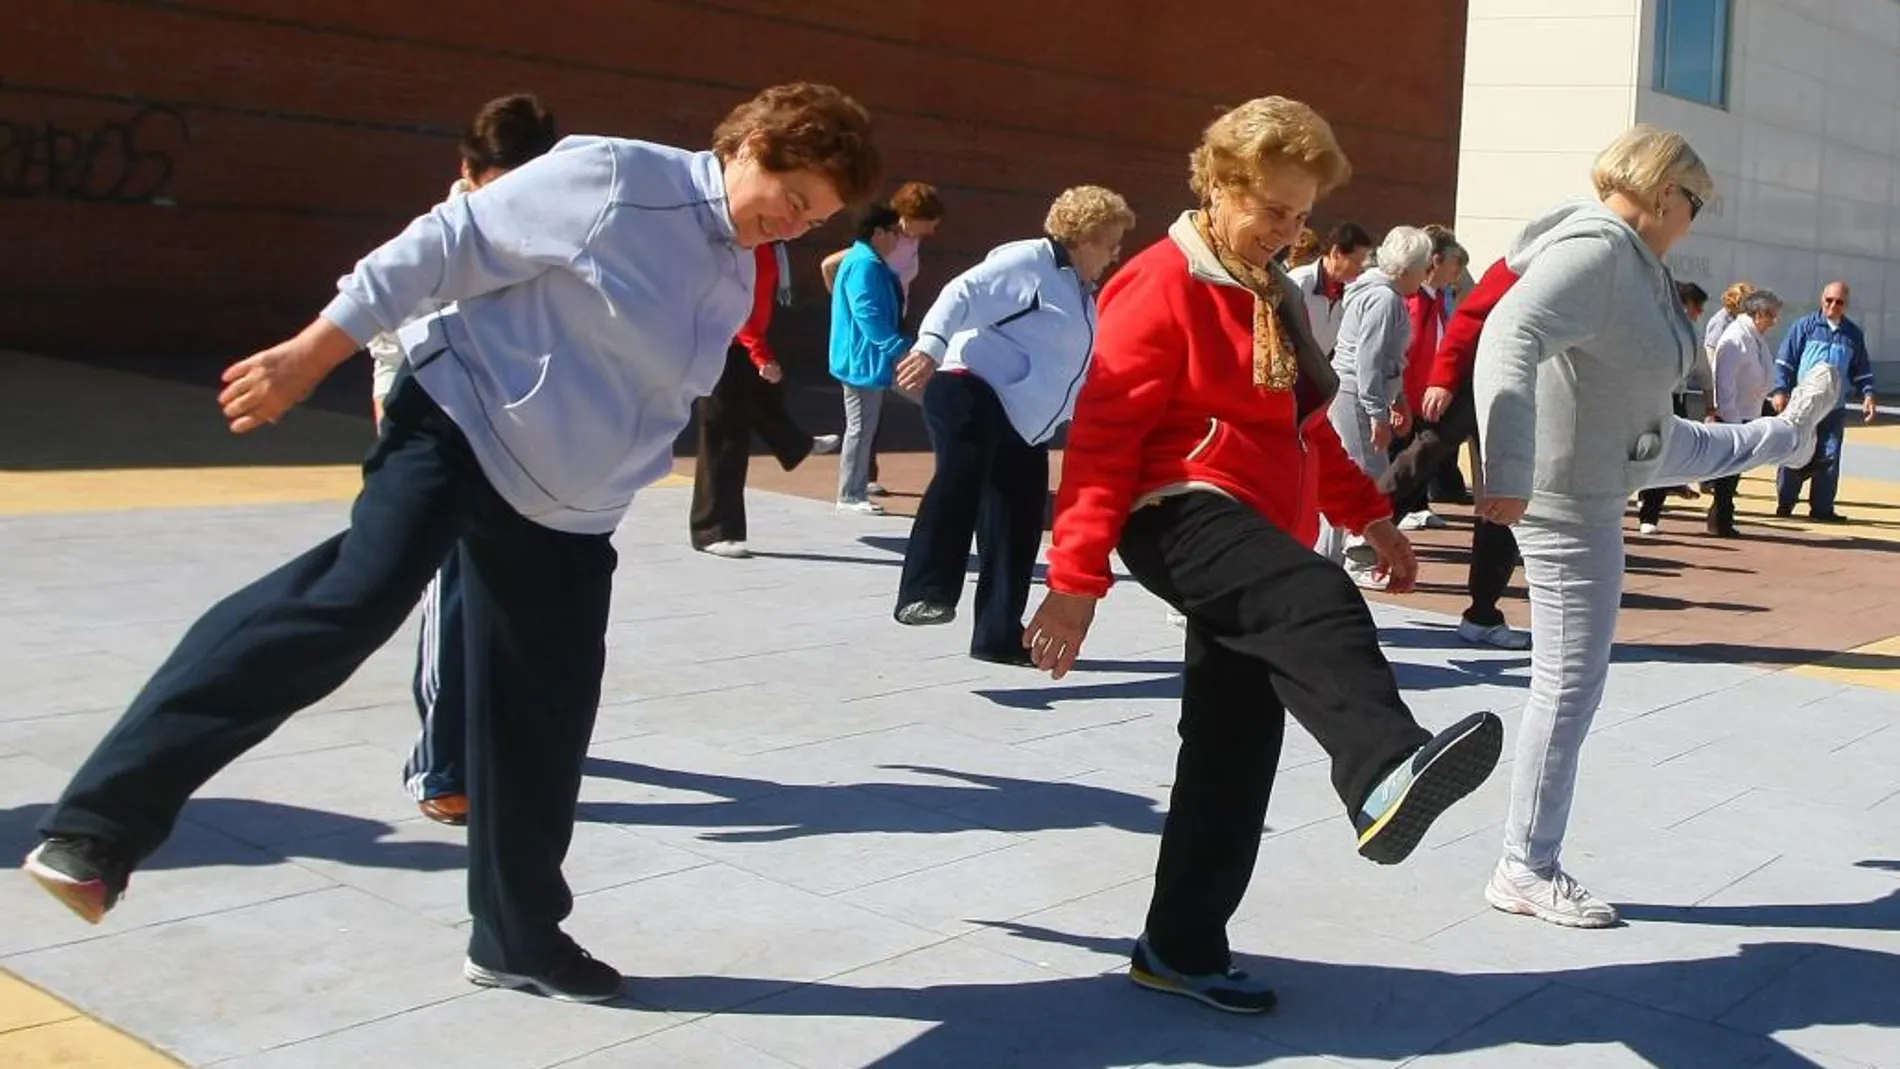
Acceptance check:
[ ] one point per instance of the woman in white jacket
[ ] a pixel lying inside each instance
(1744, 374)
(1013, 336)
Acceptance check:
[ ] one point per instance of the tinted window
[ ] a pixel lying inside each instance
(1692, 49)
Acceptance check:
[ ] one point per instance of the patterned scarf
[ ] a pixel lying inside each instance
(1275, 367)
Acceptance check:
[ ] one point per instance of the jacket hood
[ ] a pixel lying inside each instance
(1583, 217)
(1369, 279)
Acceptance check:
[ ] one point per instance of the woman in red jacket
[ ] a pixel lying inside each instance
(1202, 449)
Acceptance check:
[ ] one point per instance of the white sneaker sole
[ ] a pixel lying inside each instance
(1523, 907)
(481, 977)
(87, 898)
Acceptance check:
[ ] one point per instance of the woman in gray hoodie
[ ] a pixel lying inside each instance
(1573, 381)
(1375, 329)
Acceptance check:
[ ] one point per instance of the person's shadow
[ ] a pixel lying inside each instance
(798, 811)
(212, 832)
(1345, 1011)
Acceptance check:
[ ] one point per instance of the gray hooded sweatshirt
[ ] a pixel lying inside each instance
(1576, 366)
(1374, 332)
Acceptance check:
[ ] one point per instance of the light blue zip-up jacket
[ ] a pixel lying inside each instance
(867, 320)
(594, 291)
(1024, 322)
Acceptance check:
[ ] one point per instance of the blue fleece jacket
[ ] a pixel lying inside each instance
(867, 331)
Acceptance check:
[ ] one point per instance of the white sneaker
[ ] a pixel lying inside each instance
(728, 550)
(1503, 636)
(1555, 897)
(1422, 520)
(1177, 619)
(1649, 528)
(1366, 577)
(1815, 398)
(825, 444)
(861, 508)
(876, 490)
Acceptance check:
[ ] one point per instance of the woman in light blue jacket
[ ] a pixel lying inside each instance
(586, 299)
(867, 340)
(1013, 336)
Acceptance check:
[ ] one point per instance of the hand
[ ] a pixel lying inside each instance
(260, 388)
(1711, 418)
(1437, 400)
(1054, 635)
(1401, 419)
(1780, 401)
(1503, 511)
(1869, 408)
(1381, 434)
(1396, 560)
(772, 373)
(914, 371)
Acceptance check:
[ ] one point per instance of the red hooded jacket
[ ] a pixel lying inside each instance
(1170, 399)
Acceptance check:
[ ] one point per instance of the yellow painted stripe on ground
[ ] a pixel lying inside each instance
(1872, 504)
(38, 1031)
(1874, 665)
(41, 492)
(1884, 435)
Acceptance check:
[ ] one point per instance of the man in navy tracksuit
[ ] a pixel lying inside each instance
(1826, 336)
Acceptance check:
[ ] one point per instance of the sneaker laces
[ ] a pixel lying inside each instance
(1565, 888)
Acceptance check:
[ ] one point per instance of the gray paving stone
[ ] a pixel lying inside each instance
(719, 921)
(1365, 1000)
(1838, 1000)
(852, 845)
(696, 1045)
(955, 1005)
(1564, 1028)
(249, 979)
(478, 1030)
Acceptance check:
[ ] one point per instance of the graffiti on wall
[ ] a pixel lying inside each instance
(125, 160)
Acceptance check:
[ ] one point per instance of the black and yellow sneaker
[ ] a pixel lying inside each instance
(1231, 990)
(1401, 808)
(82, 873)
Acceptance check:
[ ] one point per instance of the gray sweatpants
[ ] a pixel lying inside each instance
(1575, 575)
(862, 407)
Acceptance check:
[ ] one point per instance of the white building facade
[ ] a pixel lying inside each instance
(1793, 104)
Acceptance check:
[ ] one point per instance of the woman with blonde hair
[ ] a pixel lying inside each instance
(1013, 335)
(1574, 373)
(1201, 449)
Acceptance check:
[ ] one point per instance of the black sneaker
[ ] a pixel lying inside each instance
(1015, 658)
(925, 614)
(1826, 517)
(581, 978)
(1231, 990)
(82, 873)
(1402, 806)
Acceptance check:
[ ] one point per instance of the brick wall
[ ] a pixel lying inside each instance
(189, 178)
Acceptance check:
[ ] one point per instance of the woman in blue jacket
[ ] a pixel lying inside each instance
(867, 339)
(1013, 335)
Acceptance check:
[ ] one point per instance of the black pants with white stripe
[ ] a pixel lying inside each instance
(435, 765)
(535, 612)
(991, 484)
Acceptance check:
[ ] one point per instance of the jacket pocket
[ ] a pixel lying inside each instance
(1206, 443)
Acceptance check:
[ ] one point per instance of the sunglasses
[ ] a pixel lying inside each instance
(1695, 203)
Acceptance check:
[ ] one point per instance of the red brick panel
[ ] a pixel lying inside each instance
(295, 134)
